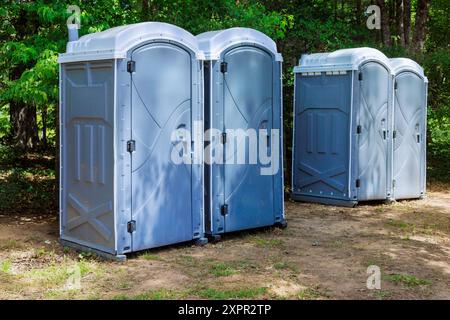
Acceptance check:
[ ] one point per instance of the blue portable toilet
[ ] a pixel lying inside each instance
(124, 91)
(342, 127)
(409, 143)
(242, 72)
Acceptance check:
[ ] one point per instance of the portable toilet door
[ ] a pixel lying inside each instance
(129, 96)
(410, 110)
(341, 137)
(242, 96)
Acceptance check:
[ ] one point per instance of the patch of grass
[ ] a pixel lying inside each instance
(382, 294)
(218, 294)
(187, 261)
(150, 256)
(407, 280)
(160, 294)
(337, 244)
(11, 244)
(5, 266)
(222, 270)
(379, 209)
(308, 294)
(267, 243)
(282, 265)
(56, 274)
(398, 224)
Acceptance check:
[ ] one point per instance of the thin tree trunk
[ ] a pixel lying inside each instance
(407, 21)
(145, 10)
(420, 24)
(399, 21)
(23, 125)
(385, 29)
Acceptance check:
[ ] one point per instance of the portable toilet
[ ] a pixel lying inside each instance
(124, 91)
(409, 143)
(242, 75)
(342, 127)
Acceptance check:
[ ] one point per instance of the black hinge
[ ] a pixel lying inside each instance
(131, 226)
(131, 66)
(224, 137)
(224, 209)
(358, 129)
(394, 134)
(358, 183)
(360, 76)
(131, 146)
(395, 85)
(224, 67)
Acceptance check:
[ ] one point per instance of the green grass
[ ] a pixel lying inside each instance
(267, 243)
(407, 280)
(308, 294)
(218, 294)
(382, 294)
(5, 266)
(222, 270)
(160, 294)
(398, 224)
(282, 265)
(150, 256)
(11, 244)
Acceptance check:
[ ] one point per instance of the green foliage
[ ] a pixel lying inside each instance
(439, 132)
(32, 33)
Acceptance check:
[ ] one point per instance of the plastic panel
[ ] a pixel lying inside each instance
(87, 155)
(161, 103)
(373, 150)
(322, 123)
(409, 144)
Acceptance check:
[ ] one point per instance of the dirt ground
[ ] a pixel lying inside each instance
(324, 253)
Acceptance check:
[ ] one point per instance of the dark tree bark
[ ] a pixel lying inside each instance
(399, 21)
(145, 10)
(407, 21)
(385, 29)
(420, 24)
(24, 131)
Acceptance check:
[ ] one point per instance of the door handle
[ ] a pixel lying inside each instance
(418, 138)
(384, 134)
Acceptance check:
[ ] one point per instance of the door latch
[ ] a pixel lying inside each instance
(224, 209)
(131, 146)
(131, 226)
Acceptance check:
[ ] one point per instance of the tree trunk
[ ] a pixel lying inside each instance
(385, 30)
(24, 131)
(399, 21)
(407, 21)
(420, 24)
(145, 10)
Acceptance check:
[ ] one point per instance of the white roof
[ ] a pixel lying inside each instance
(345, 59)
(404, 64)
(213, 43)
(114, 43)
